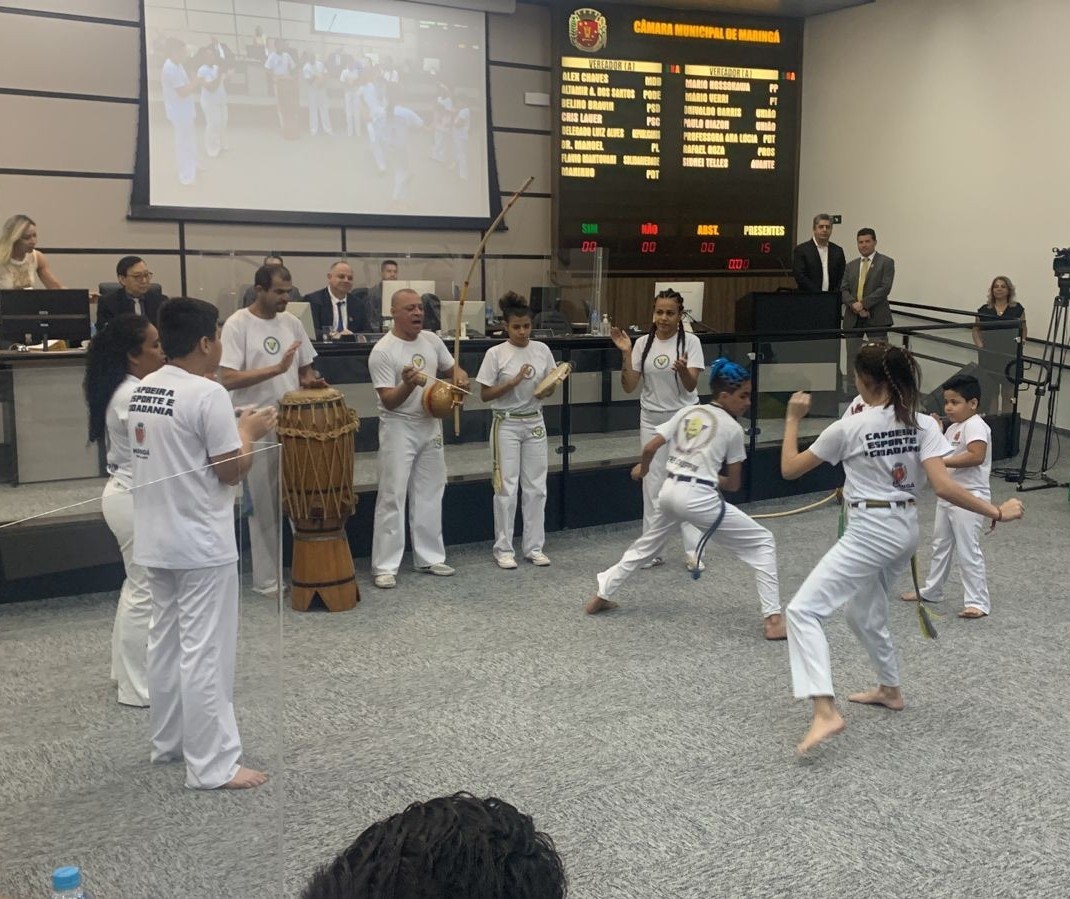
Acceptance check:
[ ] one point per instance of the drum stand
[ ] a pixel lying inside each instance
(318, 551)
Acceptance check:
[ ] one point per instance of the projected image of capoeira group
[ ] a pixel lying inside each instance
(316, 126)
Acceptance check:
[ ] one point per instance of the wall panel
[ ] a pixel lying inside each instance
(507, 87)
(125, 10)
(521, 155)
(71, 57)
(515, 38)
(68, 135)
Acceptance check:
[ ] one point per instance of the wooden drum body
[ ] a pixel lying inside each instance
(316, 430)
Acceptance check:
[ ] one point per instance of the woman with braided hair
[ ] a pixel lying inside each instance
(887, 450)
(700, 443)
(668, 360)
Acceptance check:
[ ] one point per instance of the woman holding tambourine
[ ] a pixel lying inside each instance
(668, 360)
(514, 377)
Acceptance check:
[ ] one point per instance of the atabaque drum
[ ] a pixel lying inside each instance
(316, 431)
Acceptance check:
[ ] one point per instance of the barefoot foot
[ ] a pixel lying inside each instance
(245, 779)
(889, 697)
(823, 728)
(598, 604)
(775, 628)
(972, 612)
(909, 597)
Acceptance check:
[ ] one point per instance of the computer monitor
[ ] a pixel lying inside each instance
(474, 316)
(303, 311)
(33, 316)
(392, 287)
(692, 292)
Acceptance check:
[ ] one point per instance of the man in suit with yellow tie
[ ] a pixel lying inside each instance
(866, 285)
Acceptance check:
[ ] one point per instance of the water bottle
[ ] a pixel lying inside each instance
(593, 325)
(605, 327)
(67, 883)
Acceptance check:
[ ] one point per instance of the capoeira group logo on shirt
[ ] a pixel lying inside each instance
(528, 371)
(661, 361)
(899, 476)
(139, 432)
(587, 30)
(696, 430)
(272, 345)
(957, 437)
(418, 362)
(538, 431)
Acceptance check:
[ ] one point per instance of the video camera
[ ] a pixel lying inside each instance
(1061, 263)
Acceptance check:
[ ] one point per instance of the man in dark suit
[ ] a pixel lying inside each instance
(133, 294)
(388, 271)
(867, 282)
(337, 309)
(818, 264)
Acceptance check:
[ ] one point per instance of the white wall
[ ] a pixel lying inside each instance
(944, 125)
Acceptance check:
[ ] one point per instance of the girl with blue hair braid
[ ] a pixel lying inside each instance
(704, 457)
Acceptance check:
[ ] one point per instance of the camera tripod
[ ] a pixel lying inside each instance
(1046, 385)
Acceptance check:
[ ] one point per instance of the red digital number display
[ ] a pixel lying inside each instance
(588, 246)
(648, 246)
(707, 246)
(738, 264)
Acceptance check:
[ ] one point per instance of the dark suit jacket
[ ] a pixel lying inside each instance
(806, 266)
(117, 302)
(358, 315)
(877, 287)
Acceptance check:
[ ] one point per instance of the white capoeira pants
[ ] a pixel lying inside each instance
(130, 635)
(699, 505)
(192, 647)
(959, 530)
(859, 571)
(262, 482)
(354, 112)
(216, 115)
(412, 464)
(185, 136)
(318, 108)
(655, 477)
(518, 448)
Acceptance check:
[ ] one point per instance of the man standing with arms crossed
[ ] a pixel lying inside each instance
(818, 264)
(266, 353)
(411, 459)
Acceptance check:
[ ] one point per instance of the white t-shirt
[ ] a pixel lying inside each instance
(857, 405)
(501, 364)
(662, 390)
(120, 465)
(312, 71)
(177, 422)
(391, 354)
(280, 63)
(180, 110)
(251, 342)
(210, 94)
(881, 456)
(976, 478)
(702, 439)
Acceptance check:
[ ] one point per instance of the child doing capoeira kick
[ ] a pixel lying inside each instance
(702, 442)
(887, 452)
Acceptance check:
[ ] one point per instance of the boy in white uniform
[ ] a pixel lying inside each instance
(314, 72)
(509, 375)
(703, 441)
(181, 112)
(887, 452)
(411, 460)
(970, 464)
(188, 454)
(668, 360)
(266, 353)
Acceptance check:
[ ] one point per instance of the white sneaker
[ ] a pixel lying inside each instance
(268, 590)
(385, 581)
(439, 569)
(540, 559)
(506, 561)
(689, 561)
(653, 563)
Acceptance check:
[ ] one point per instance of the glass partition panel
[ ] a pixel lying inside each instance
(93, 776)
